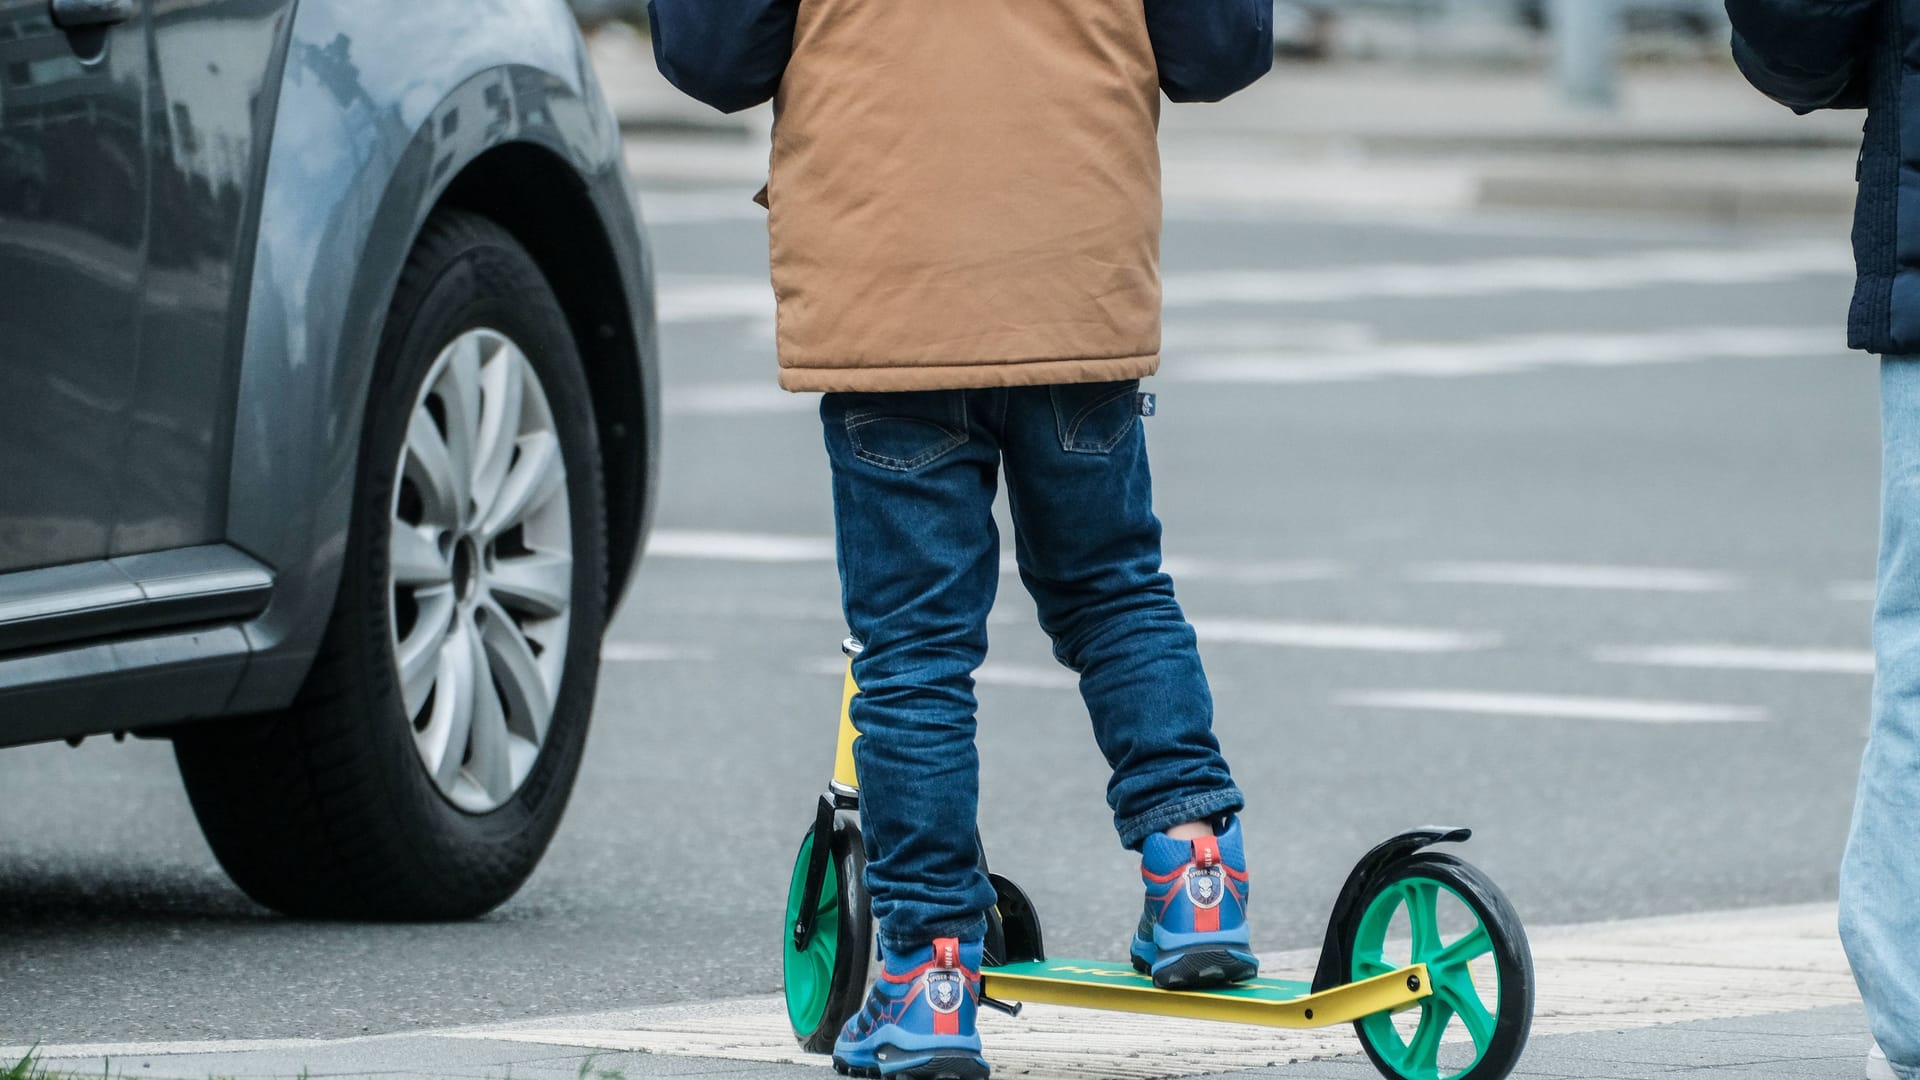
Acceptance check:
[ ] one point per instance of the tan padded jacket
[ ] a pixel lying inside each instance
(966, 193)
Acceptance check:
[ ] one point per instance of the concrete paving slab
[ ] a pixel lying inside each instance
(1638, 998)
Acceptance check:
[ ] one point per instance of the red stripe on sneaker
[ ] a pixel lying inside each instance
(1206, 919)
(946, 1023)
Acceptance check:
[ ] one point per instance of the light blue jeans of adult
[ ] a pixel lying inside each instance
(1880, 874)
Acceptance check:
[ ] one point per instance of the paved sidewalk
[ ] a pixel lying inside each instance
(1813, 1044)
(1756, 994)
(1690, 140)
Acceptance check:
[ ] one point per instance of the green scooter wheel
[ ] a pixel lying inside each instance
(1434, 909)
(825, 982)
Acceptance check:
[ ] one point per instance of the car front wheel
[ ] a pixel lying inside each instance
(426, 762)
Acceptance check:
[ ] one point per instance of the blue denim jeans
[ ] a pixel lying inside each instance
(914, 477)
(1880, 875)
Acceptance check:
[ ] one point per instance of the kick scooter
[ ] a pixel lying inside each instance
(1423, 955)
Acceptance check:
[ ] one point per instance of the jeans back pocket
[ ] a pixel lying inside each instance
(907, 430)
(1093, 417)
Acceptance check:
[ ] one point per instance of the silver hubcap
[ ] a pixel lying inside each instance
(481, 561)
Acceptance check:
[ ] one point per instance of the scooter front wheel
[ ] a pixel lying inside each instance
(1437, 910)
(825, 980)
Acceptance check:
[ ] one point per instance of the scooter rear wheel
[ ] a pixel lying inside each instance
(826, 982)
(1435, 909)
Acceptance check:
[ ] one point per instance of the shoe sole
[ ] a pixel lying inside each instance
(1202, 969)
(940, 1068)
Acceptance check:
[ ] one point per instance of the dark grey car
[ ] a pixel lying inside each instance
(327, 421)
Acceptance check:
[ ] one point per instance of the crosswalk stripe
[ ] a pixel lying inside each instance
(1742, 658)
(1501, 276)
(755, 397)
(698, 298)
(1553, 707)
(1341, 636)
(1506, 356)
(643, 652)
(738, 547)
(1573, 576)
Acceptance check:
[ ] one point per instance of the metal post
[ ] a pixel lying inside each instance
(1587, 37)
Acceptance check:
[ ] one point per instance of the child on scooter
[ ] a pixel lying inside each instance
(965, 219)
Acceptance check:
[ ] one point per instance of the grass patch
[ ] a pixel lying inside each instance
(28, 1068)
(587, 1071)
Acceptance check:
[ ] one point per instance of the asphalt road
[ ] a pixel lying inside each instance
(1435, 485)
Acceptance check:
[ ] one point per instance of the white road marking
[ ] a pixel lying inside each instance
(1573, 576)
(694, 298)
(759, 397)
(1185, 336)
(1742, 658)
(662, 207)
(750, 547)
(1503, 276)
(642, 652)
(685, 298)
(1553, 707)
(1853, 592)
(1341, 636)
(1505, 356)
(1256, 572)
(738, 547)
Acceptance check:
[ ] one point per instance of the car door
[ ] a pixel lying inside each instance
(73, 222)
(216, 67)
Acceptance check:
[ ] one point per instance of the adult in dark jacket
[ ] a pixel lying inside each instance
(964, 212)
(1851, 54)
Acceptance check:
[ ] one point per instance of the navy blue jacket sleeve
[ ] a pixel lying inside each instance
(1805, 54)
(727, 53)
(1208, 49)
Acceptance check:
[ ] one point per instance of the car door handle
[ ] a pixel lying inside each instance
(80, 14)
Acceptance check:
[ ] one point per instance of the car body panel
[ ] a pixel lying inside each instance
(215, 72)
(73, 216)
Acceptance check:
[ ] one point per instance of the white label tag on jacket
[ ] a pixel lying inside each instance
(1146, 404)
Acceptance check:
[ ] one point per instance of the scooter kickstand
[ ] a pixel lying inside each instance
(1011, 1008)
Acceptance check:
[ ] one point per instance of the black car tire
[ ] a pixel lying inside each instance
(326, 810)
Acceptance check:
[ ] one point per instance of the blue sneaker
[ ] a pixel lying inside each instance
(919, 1019)
(1193, 934)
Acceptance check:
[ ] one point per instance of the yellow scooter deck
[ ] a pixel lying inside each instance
(1092, 984)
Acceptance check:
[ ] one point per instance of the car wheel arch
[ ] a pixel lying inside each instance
(538, 197)
(556, 165)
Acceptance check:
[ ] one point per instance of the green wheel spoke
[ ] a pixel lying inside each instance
(1475, 943)
(1463, 1000)
(1366, 967)
(1422, 899)
(1422, 1057)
